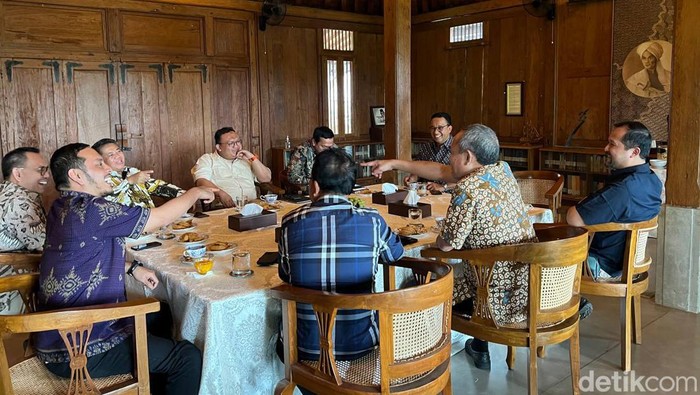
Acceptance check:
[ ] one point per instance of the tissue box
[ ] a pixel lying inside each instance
(402, 209)
(381, 198)
(241, 223)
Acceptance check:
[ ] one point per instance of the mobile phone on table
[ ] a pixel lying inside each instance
(200, 214)
(435, 192)
(406, 240)
(146, 246)
(269, 258)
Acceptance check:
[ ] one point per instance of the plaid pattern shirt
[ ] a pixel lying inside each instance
(435, 153)
(332, 246)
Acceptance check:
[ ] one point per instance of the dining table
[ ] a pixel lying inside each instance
(233, 320)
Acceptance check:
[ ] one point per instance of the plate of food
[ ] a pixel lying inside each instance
(184, 225)
(191, 238)
(220, 247)
(271, 206)
(414, 230)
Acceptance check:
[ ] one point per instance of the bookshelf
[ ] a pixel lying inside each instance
(520, 156)
(360, 151)
(584, 169)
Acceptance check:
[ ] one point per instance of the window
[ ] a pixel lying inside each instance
(469, 32)
(337, 57)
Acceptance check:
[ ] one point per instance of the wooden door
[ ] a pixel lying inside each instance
(188, 115)
(32, 106)
(230, 87)
(91, 100)
(141, 106)
(31, 109)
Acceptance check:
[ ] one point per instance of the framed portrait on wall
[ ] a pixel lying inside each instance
(378, 115)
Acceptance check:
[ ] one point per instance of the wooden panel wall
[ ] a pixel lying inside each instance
(468, 81)
(584, 47)
(291, 85)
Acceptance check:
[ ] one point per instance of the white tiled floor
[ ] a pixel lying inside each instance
(670, 347)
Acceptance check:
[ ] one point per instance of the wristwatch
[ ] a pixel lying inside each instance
(133, 267)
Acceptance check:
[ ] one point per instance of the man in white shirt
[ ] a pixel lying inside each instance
(230, 169)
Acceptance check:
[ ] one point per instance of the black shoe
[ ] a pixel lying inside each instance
(585, 308)
(482, 359)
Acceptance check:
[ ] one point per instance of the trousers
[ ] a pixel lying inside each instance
(175, 367)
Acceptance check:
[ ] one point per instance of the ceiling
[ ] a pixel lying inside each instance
(375, 7)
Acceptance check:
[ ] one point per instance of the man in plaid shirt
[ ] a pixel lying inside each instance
(331, 245)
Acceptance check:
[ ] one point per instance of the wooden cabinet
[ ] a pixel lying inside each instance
(520, 156)
(584, 169)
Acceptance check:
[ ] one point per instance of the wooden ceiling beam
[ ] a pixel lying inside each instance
(469, 9)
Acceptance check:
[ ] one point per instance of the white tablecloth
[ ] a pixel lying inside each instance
(232, 320)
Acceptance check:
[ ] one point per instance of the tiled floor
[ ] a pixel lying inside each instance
(670, 347)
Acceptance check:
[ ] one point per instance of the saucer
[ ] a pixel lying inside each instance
(247, 274)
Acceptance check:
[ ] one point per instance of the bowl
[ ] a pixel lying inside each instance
(657, 163)
(269, 198)
(203, 265)
(195, 251)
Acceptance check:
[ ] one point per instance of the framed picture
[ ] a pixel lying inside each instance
(377, 115)
(514, 99)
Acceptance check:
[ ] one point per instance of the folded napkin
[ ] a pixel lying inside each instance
(388, 188)
(251, 209)
(412, 198)
(197, 276)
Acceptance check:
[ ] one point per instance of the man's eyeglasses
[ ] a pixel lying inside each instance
(438, 128)
(234, 142)
(42, 170)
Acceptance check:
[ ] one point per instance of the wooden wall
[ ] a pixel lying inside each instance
(163, 77)
(291, 82)
(468, 81)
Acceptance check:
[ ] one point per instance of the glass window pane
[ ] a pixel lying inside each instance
(469, 32)
(338, 40)
(332, 92)
(347, 95)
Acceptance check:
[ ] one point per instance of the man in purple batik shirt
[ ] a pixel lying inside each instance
(84, 264)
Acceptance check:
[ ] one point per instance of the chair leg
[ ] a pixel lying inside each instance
(510, 358)
(575, 360)
(541, 352)
(448, 387)
(626, 332)
(532, 374)
(285, 387)
(637, 318)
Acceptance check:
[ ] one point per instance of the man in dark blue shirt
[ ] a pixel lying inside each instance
(331, 245)
(632, 193)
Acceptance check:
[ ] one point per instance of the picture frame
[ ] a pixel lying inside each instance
(514, 99)
(378, 115)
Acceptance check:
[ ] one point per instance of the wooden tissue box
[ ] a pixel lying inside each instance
(401, 209)
(241, 223)
(381, 198)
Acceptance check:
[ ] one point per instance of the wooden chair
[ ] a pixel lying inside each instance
(74, 325)
(554, 277)
(21, 262)
(630, 286)
(414, 330)
(541, 189)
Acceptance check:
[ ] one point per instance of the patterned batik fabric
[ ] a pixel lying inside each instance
(330, 245)
(22, 219)
(300, 164)
(83, 264)
(487, 210)
(139, 194)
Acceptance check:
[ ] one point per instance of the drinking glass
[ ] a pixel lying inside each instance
(415, 214)
(422, 189)
(240, 262)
